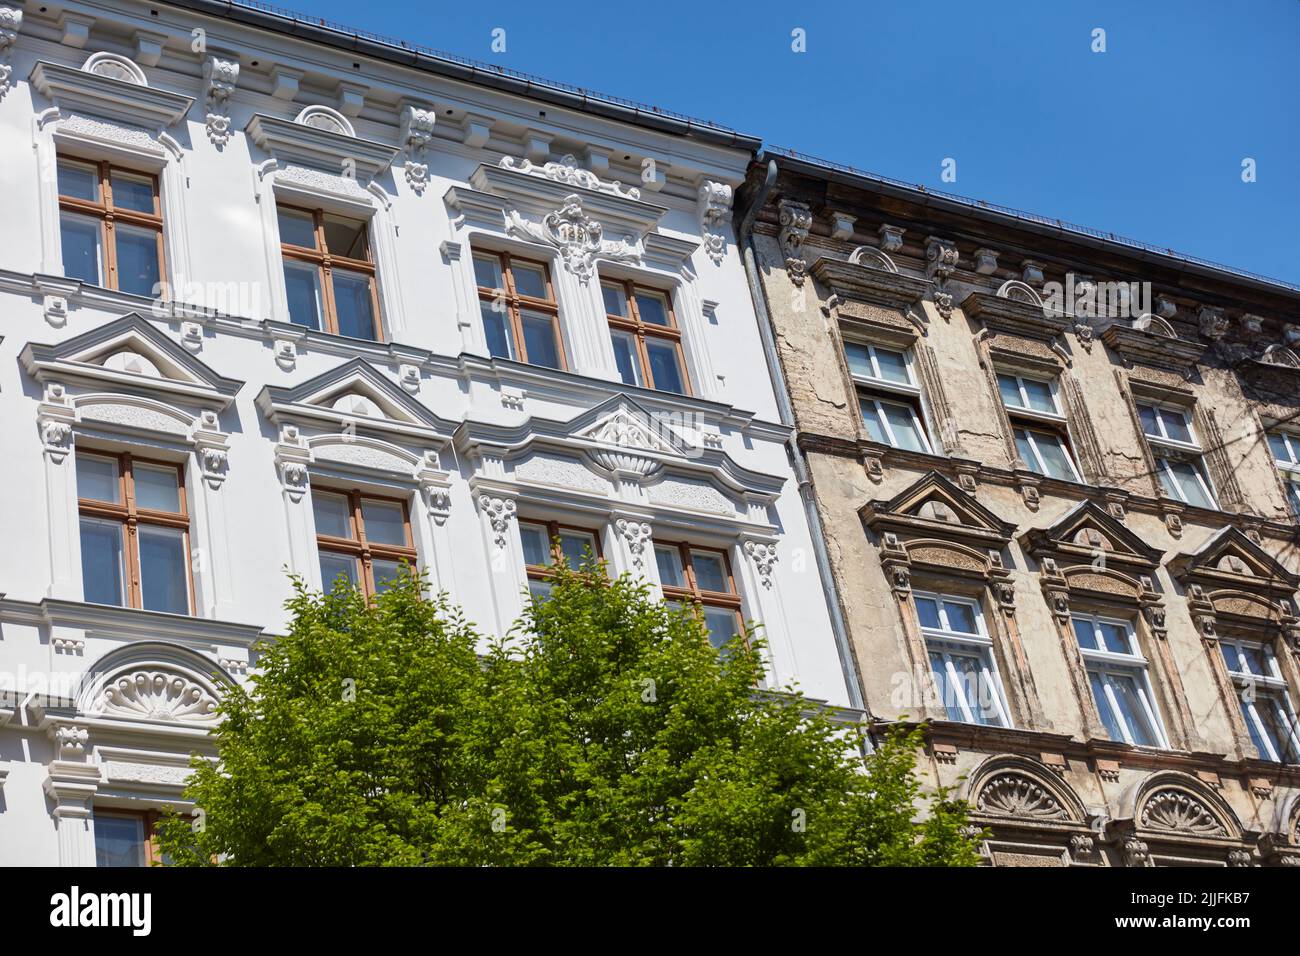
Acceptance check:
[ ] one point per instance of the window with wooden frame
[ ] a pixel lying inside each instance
(521, 317)
(1038, 425)
(1179, 464)
(125, 838)
(888, 395)
(111, 227)
(329, 272)
(546, 543)
(135, 532)
(363, 539)
(702, 577)
(646, 337)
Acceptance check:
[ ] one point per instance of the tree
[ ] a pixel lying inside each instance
(606, 730)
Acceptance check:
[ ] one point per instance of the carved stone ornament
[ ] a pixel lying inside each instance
(71, 742)
(159, 695)
(796, 222)
(715, 212)
(1136, 853)
(498, 512)
(1082, 845)
(417, 133)
(1016, 795)
(11, 21)
(764, 557)
(891, 237)
(940, 262)
(56, 436)
(637, 536)
(1180, 812)
(1214, 323)
(568, 172)
(220, 76)
(577, 236)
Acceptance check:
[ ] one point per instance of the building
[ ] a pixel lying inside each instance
(1056, 473)
(282, 298)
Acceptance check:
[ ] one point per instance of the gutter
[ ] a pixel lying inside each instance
(785, 409)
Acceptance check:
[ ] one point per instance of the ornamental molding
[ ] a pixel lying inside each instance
(796, 223)
(1010, 785)
(941, 258)
(637, 535)
(11, 21)
(320, 138)
(1015, 313)
(1089, 535)
(577, 237)
(1181, 812)
(714, 208)
(567, 172)
(220, 77)
(764, 557)
(1178, 804)
(865, 277)
(159, 695)
(1230, 562)
(417, 121)
(498, 512)
(112, 88)
(935, 508)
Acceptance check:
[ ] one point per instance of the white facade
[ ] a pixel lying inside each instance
(100, 706)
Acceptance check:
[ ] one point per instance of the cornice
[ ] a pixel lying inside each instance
(1014, 316)
(293, 142)
(130, 623)
(76, 90)
(892, 290)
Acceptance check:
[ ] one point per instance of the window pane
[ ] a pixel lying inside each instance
(1187, 482)
(1293, 496)
(859, 359)
(978, 692)
(1056, 462)
(132, 192)
(615, 300)
(537, 549)
(961, 617)
(1253, 659)
(346, 237)
(871, 418)
(629, 369)
(1025, 449)
(892, 366)
(496, 327)
(386, 572)
(669, 562)
(137, 260)
(902, 421)
(333, 566)
(101, 562)
(1039, 395)
(710, 572)
(1148, 416)
(79, 182)
(302, 285)
(1104, 710)
(1278, 445)
(1085, 634)
(1126, 692)
(539, 340)
(1277, 726)
(354, 305)
(157, 488)
(97, 479)
(119, 841)
(487, 272)
(540, 589)
(1009, 388)
(664, 367)
(333, 514)
(927, 611)
(529, 280)
(653, 308)
(948, 693)
(1230, 657)
(79, 238)
(1176, 425)
(385, 522)
(297, 228)
(164, 575)
(1115, 637)
(721, 623)
(575, 546)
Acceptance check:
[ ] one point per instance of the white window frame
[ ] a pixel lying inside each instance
(1038, 456)
(875, 384)
(883, 420)
(1252, 686)
(1024, 407)
(1133, 665)
(1164, 448)
(944, 641)
(1290, 469)
(1022, 417)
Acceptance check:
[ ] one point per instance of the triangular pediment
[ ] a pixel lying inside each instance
(1232, 559)
(623, 423)
(935, 505)
(1085, 532)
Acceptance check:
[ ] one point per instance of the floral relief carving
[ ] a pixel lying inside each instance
(637, 536)
(578, 237)
(417, 133)
(1014, 794)
(715, 212)
(764, 556)
(220, 76)
(499, 512)
(71, 742)
(568, 172)
(796, 223)
(11, 21)
(159, 695)
(1179, 811)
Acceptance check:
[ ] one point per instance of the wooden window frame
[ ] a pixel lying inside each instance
(359, 546)
(325, 263)
(515, 302)
(108, 215)
(639, 330)
(693, 593)
(152, 852)
(542, 572)
(131, 517)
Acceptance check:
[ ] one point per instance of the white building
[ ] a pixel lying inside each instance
(348, 232)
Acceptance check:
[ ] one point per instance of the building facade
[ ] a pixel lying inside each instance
(281, 299)
(1056, 476)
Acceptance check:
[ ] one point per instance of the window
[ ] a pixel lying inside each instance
(1263, 697)
(647, 342)
(546, 544)
(520, 316)
(961, 658)
(888, 395)
(703, 577)
(1117, 673)
(125, 839)
(1286, 453)
(329, 272)
(1177, 454)
(1038, 426)
(135, 548)
(110, 227)
(363, 539)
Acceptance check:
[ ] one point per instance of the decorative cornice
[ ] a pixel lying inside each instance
(79, 91)
(297, 142)
(1002, 313)
(877, 286)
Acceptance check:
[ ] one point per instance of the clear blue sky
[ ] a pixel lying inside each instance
(1145, 139)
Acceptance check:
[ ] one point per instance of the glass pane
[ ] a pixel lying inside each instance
(79, 238)
(710, 572)
(721, 624)
(346, 237)
(1055, 460)
(137, 260)
(79, 182)
(653, 308)
(575, 546)
(333, 514)
(1230, 657)
(629, 368)
(296, 228)
(385, 522)
(132, 192)
(664, 367)
(529, 280)
(871, 418)
(540, 589)
(859, 359)
(539, 340)
(1148, 416)
(947, 692)
(1293, 496)
(1278, 445)
(97, 479)
(1126, 692)
(1176, 425)
(927, 612)
(496, 327)
(1039, 395)
(119, 841)
(1186, 477)
(101, 562)
(1104, 710)
(961, 617)
(1253, 658)
(164, 575)
(333, 566)
(902, 422)
(615, 300)
(1085, 634)
(669, 562)
(354, 306)
(302, 285)
(1009, 388)
(1115, 637)
(386, 572)
(979, 699)
(1277, 726)
(157, 488)
(537, 549)
(892, 366)
(1025, 449)
(487, 272)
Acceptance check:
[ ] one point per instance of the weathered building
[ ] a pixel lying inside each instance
(1055, 473)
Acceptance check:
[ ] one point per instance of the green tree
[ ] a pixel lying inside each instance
(605, 731)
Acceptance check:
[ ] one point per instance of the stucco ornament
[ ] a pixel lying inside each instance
(1181, 812)
(764, 556)
(715, 213)
(417, 133)
(637, 536)
(220, 75)
(1214, 323)
(499, 512)
(1014, 794)
(11, 21)
(568, 172)
(578, 237)
(796, 223)
(159, 695)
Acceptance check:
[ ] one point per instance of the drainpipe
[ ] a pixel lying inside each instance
(786, 412)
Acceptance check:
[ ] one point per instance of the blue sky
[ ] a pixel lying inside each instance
(1145, 140)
